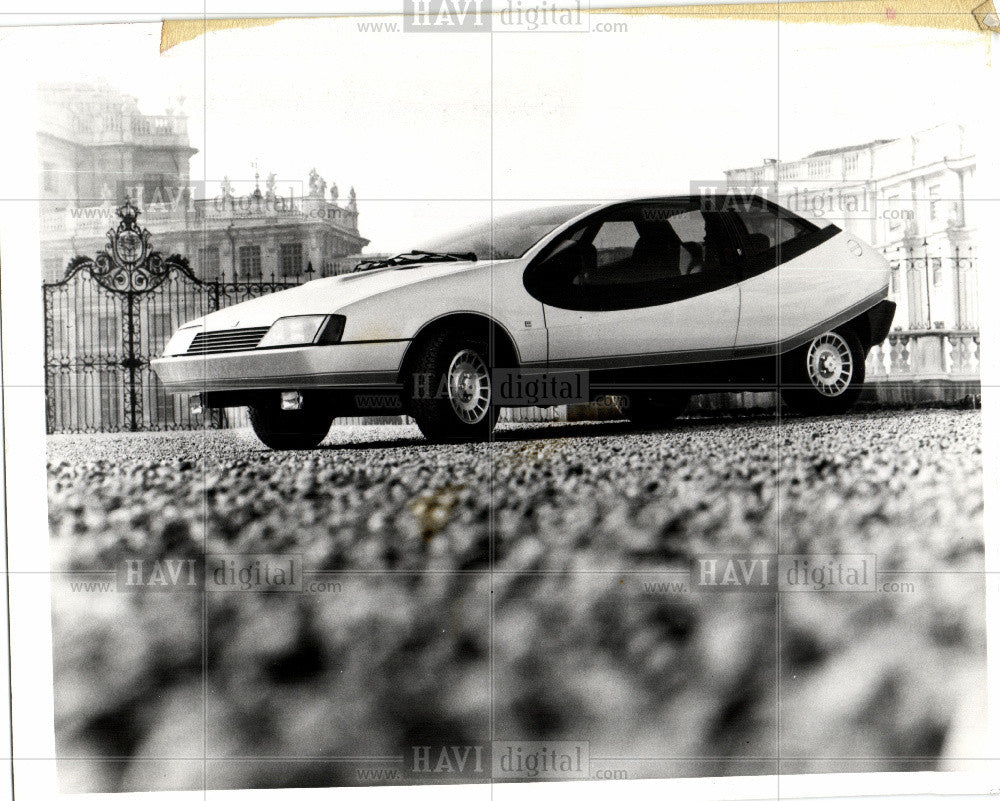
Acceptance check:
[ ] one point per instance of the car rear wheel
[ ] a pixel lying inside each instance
(289, 430)
(453, 390)
(660, 408)
(825, 375)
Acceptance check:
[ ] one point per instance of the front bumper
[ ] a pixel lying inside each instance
(351, 364)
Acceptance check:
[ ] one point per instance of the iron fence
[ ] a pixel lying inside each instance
(109, 316)
(935, 288)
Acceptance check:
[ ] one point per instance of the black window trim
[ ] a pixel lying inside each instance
(636, 296)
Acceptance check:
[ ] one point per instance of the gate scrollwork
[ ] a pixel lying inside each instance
(110, 315)
(128, 263)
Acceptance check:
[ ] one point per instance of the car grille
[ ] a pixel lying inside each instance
(235, 339)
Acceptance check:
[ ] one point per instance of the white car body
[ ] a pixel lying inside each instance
(833, 282)
(385, 309)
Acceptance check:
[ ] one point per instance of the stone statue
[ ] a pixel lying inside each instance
(226, 188)
(317, 186)
(272, 185)
(352, 203)
(334, 192)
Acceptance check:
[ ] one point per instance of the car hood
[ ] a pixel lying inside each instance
(328, 295)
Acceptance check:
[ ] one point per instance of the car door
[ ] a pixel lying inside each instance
(639, 284)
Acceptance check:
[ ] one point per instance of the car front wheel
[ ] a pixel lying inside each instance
(453, 390)
(825, 375)
(284, 430)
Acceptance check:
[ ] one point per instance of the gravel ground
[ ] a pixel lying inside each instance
(586, 629)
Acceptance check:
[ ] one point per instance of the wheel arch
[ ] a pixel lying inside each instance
(861, 326)
(872, 325)
(504, 348)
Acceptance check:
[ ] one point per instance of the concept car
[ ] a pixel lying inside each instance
(648, 301)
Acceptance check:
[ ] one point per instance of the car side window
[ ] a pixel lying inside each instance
(772, 236)
(705, 248)
(767, 229)
(615, 240)
(635, 256)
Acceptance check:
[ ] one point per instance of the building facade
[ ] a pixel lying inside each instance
(904, 196)
(96, 148)
(96, 151)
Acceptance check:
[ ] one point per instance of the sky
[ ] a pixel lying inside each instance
(431, 127)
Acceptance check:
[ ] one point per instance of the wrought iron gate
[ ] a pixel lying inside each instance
(108, 317)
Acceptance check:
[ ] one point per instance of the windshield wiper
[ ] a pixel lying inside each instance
(414, 257)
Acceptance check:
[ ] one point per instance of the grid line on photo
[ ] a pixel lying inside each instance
(6, 562)
(205, 517)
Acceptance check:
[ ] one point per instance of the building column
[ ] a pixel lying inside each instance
(228, 259)
(269, 258)
(963, 279)
(917, 283)
(313, 254)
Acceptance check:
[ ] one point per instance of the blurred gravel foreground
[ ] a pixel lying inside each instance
(401, 657)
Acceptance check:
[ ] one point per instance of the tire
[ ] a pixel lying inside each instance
(454, 402)
(290, 430)
(825, 375)
(656, 409)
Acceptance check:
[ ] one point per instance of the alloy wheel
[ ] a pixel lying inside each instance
(469, 390)
(829, 364)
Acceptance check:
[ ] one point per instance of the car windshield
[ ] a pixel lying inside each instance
(508, 236)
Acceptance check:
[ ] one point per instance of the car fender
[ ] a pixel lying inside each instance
(494, 291)
(822, 288)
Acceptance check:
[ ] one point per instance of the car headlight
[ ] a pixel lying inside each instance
(305, 329)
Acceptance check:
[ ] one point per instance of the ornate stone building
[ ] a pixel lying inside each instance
(905, 196)
(96, 148)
